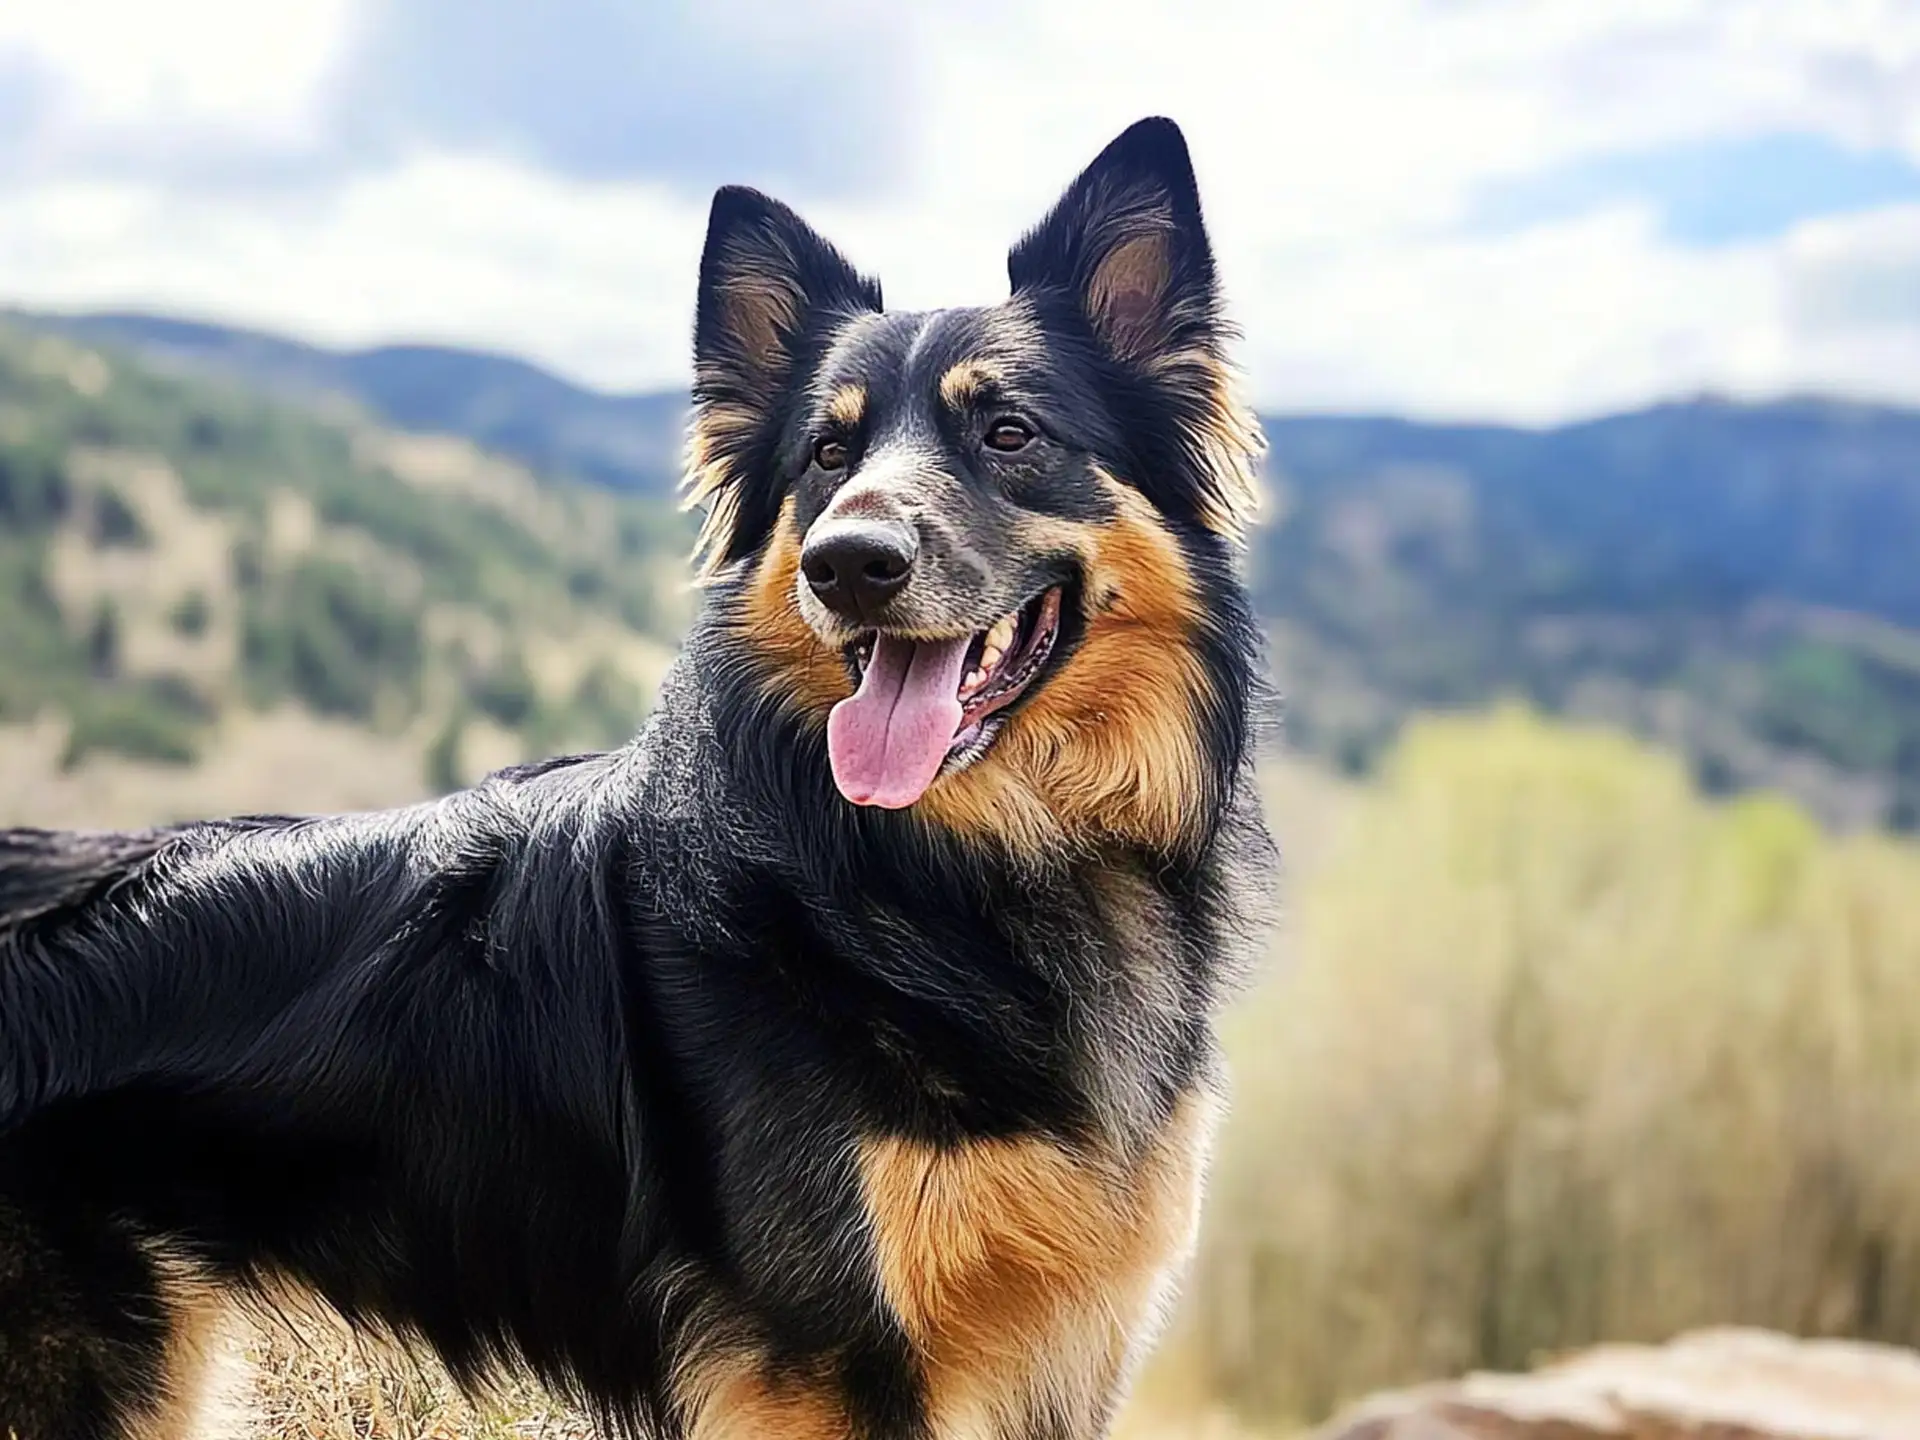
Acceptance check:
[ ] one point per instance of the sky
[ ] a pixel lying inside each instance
(1521, 210)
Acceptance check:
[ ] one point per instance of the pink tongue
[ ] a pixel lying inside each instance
(887, 741)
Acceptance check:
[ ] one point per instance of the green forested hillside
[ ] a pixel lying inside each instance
(623, 442)
(1736, 581)
(177, 555)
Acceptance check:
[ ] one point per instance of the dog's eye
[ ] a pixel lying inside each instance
(829, 453)
(1008, 435)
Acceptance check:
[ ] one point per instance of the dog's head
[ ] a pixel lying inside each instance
(989, 548)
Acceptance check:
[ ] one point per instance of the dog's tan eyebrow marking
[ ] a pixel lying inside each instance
(963, 383)
(847, 405)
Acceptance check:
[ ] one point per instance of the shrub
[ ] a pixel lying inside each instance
(158, 722)
(444, 774)
(1561, 1052)
(505, 690)
(249, 563)
(325, 634)
(116, 523)
(33, 489)
(191, 614)
(607, 707)
(604, 711)
(103, 640)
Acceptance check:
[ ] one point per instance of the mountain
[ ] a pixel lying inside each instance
(621, 442)
(1738, 580)
(198, 579)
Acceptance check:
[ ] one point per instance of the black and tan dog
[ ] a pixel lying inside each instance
(835, 1060)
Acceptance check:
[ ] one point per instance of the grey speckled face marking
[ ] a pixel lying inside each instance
(966, 434)
(943, 498)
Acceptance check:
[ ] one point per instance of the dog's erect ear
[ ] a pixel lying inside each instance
(1125, 254)
(1127, 245)
(765, 277)
(769, 286)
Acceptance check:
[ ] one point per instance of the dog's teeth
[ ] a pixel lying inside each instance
(990, 659)
(1001, 635)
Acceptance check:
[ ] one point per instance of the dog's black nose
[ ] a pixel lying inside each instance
(856, 565)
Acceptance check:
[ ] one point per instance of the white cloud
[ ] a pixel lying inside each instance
(128, 77)
(594, 280)
(1851, 289)
(1563, 319)
(1337, 147)
(1859, 272)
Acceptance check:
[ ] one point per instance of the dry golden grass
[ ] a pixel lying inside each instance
(310, 1379)
(187, 552)
(284, 761)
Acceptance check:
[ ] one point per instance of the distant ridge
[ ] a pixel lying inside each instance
(622, 442)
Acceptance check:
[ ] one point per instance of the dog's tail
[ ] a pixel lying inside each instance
(46, 872)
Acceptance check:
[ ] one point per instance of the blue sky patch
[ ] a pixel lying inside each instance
(1714, 192)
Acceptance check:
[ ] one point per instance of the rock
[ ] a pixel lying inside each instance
(1709, 1385)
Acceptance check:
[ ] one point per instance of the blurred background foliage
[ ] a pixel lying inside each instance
(1555, 1050)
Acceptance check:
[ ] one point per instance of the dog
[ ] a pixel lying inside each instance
(837, 1058)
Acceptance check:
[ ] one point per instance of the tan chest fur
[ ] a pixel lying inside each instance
(1029, 1276)
(197, 1397)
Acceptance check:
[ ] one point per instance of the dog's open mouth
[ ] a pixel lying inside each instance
(924, 703)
